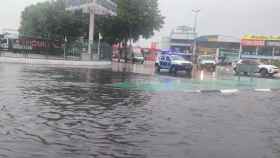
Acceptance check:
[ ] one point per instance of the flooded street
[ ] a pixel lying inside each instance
(48, 112)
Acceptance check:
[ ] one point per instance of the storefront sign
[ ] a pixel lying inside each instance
(261, 38)
(260, 43)
(273, 43)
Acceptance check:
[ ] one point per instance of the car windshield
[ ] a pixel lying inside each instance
(138, 55)
(177, 57)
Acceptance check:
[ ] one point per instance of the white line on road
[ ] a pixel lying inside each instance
(226, 91)
(263, 90)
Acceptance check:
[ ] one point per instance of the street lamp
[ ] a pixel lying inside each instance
(91, 4)
(196, 12)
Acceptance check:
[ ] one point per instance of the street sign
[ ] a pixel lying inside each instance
(101, 7)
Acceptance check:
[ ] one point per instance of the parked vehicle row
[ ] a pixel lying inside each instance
(175, 62)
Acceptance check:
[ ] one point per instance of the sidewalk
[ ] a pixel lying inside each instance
(66, 63)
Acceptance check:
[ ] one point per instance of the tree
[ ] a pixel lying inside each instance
(51, 20)
(135, 18)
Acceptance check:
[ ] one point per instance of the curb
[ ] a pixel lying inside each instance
(233, 91)
(66, 63)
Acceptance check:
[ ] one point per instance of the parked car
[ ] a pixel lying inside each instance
(173, 63)
(207, 61)
(244, 66)
(138, 58)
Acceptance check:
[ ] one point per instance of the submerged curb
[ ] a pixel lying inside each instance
(66, 63)
(233, 91)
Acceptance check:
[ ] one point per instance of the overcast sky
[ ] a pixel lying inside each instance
(227, 17)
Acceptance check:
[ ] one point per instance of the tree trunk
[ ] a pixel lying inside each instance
(125, 51)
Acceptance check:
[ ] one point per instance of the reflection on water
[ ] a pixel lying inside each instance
(60, 112)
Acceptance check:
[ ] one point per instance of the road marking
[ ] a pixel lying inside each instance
(263, 90)
(226, 91)
(210, 91)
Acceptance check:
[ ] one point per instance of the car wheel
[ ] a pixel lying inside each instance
(173, 69)
(157, 68)
(263, 72)
(189, 72)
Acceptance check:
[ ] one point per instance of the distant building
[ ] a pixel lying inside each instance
(260, 47)
(224, 48)
(10, 33)
(182, 39)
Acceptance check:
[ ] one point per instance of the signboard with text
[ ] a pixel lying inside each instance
(245, 42)
(261, 38)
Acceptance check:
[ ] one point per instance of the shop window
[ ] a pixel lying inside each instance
(265, 51)
(249, 51)
(277, 52)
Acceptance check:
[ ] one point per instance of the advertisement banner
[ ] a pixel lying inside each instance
(261, 38)
(260, 43)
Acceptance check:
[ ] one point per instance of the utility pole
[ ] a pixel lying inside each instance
(91, 4)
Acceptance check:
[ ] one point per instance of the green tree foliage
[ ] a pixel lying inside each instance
(51, 20)
(135, 19)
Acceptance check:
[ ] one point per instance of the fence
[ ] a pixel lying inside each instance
(47, 49)
(74, 50)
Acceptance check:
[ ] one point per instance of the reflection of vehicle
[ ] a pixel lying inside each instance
(244, 66)
(4, 43)
(207, 61)
(173, 63)
(137, 57)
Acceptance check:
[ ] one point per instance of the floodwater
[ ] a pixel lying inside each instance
(48, 112)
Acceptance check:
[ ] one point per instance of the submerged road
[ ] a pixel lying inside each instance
(68, 113)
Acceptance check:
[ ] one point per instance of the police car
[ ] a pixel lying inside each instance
(173, 63)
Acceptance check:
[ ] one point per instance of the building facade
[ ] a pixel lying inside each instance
(182, 39)
(260, 47)
(225, 48)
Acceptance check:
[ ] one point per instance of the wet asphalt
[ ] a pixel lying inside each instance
(71, 112)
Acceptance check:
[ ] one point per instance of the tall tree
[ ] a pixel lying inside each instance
(135, 19)
(51, 20)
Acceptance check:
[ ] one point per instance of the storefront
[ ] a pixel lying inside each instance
(260, 47)
(224, 48)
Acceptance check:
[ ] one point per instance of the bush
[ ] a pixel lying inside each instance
(276, 63)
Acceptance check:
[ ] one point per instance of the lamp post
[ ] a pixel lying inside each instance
(65, 42)
(98, 49)
(196, 12)
(91, 4)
